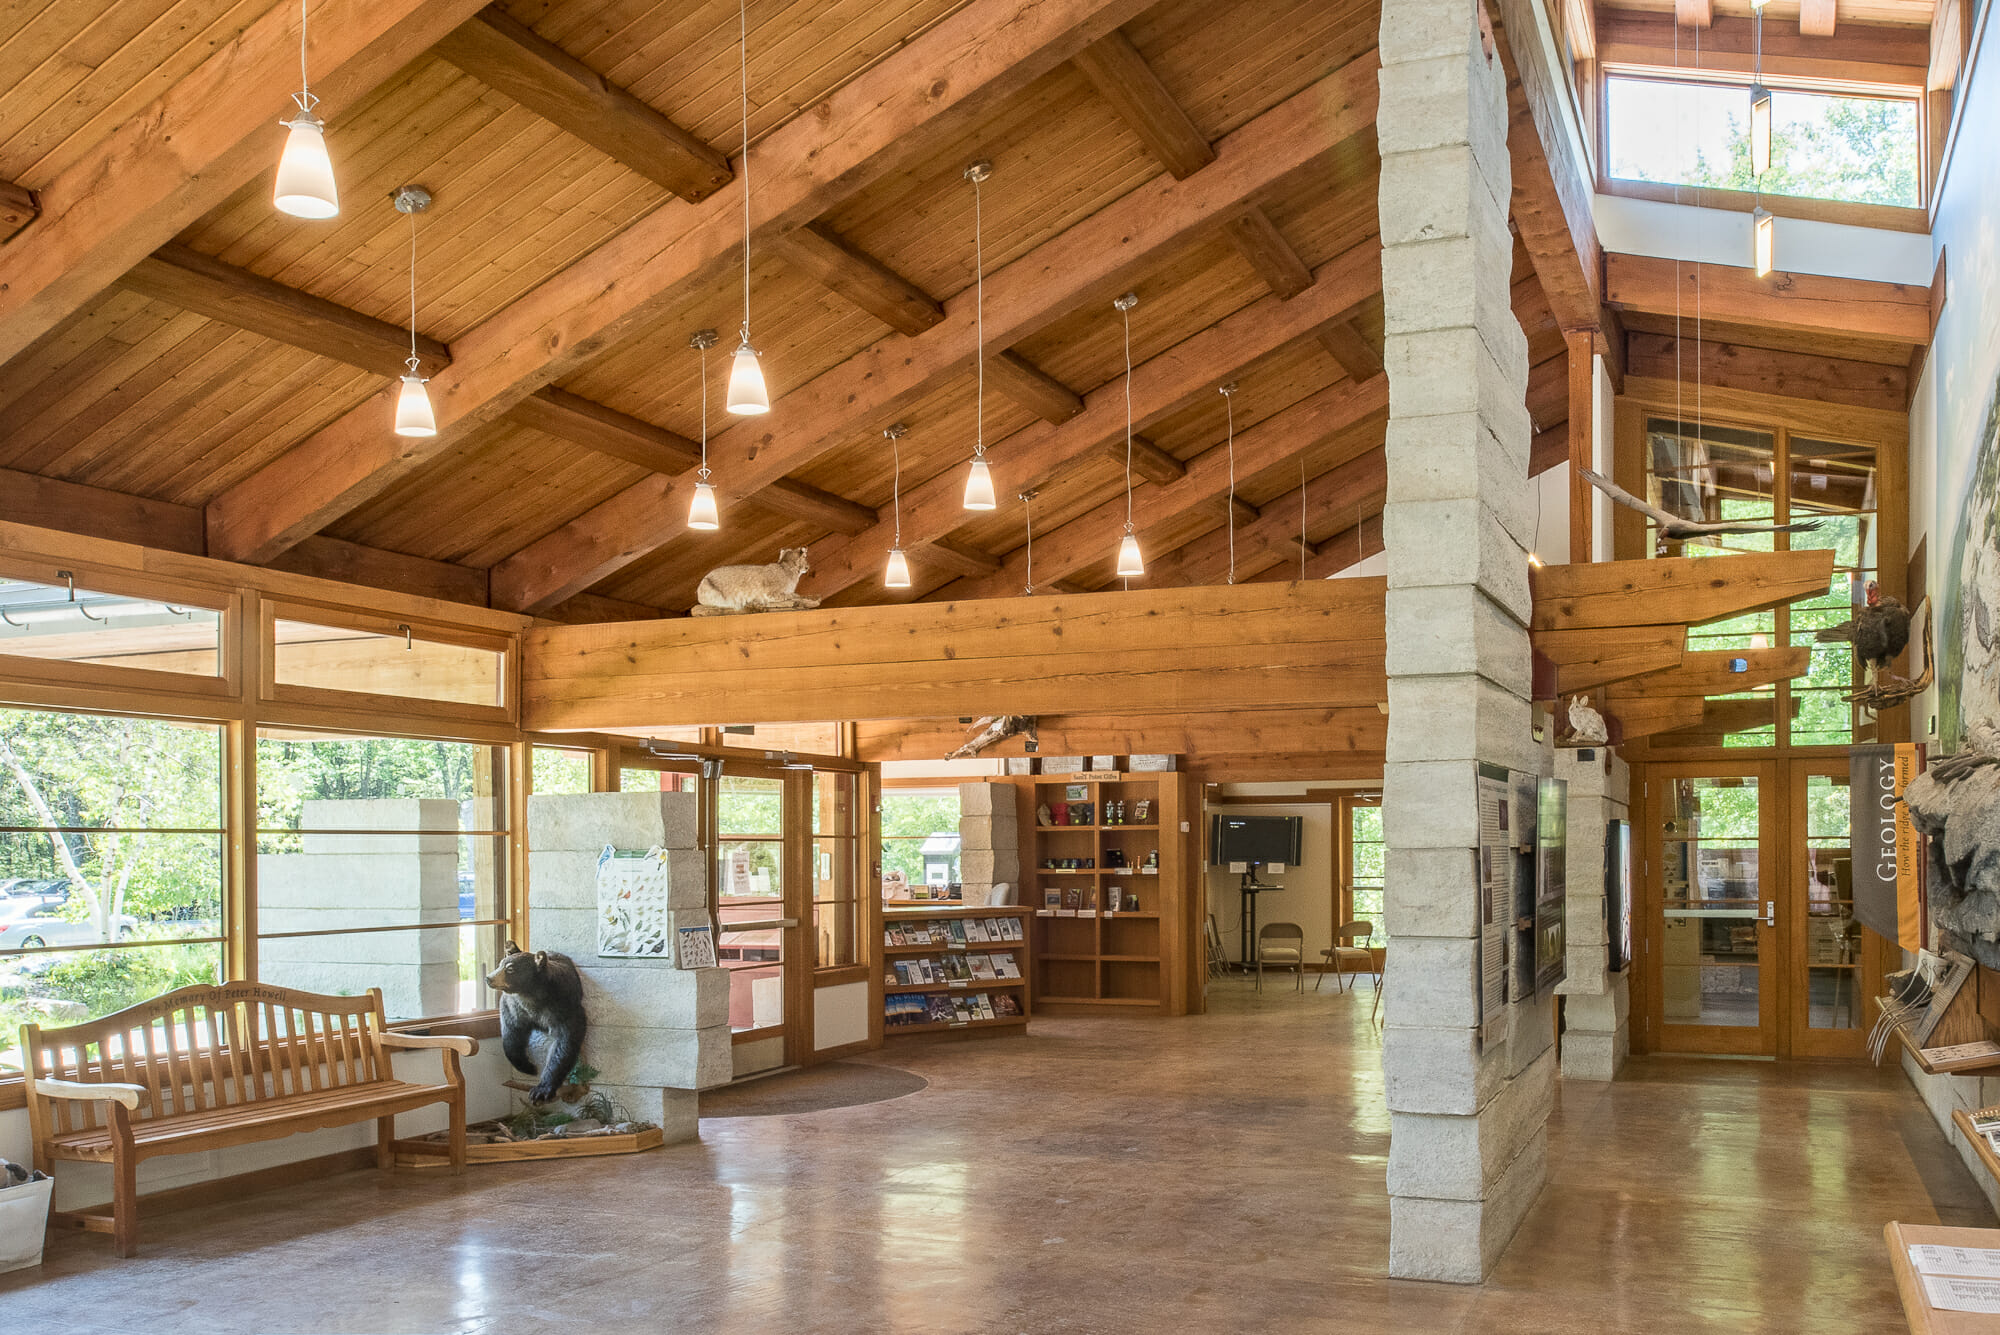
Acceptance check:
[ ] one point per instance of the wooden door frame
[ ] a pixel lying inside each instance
(1800, 1039)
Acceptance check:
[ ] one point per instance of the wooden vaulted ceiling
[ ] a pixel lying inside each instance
(186, 367)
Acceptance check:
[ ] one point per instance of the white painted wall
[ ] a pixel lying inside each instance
(840, 1016)
(1722, 236)
(1308, 895)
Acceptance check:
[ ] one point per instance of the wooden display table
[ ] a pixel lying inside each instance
(1923, 1318)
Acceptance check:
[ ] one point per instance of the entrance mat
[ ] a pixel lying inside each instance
(834, 1085)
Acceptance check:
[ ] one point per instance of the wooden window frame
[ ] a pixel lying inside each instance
(269, 688)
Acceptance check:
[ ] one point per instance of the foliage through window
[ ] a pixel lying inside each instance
(1366, 863)
(920, 835)
(1860, 150)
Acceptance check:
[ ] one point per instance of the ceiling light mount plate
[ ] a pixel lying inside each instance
(411, 199)
(703, 339)
(1127, 302)
(1226, 390)
(895, 431)
(979, 171)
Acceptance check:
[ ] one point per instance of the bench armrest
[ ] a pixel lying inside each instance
(129, 1095)
(464, 1047)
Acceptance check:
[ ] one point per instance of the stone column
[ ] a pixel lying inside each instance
(989, 841)
(1596, 1033)
(1468, 1150)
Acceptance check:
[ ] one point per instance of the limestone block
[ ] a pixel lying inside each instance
(987, 865)
(1450, 99)
(1439, 630)
(1531, 1037)
(988, 832)
(568, 879)
(1443, 283)
(660, 997)
(1430, 892)
(1436, 1069)
(1464, 456)
(1583, 972)
(1585, 925)
(1431, 981)
(676, 1111)
(986, 799)
(1460, 370)
(1429, 804)
(586, 822)
(1595, 1056)
(1458, 1241)
(1495, 563)
(1440, 718)
(1422, 29)
(1464, 1157)
(669, 1058)
(1586, 778)
(380, 814)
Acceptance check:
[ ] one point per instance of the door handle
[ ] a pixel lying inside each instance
(1770, 913)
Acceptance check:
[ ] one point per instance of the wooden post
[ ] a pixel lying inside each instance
(1582, 419)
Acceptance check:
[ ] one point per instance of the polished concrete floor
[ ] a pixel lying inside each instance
(1221, 1173)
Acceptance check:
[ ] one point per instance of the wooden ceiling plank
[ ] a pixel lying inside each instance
(509, 57)
(1124, 79)
(1033, 388)
(1687, 590)
(1769, 370)
(1712, 672)
(936, 85)
(1357, 488)
(1814, 303)
(193, 147)
(1327, 731)
(351, 563)
(1550, 203)
(862, 280)
(1259, 241)
(1359, 358)
(17, 209)
(1099, 254)
(1161, 385)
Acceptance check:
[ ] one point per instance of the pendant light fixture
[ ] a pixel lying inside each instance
(747, 395)
(897, 576)
(1760, 127)
(413, 402)
(1228, 393)
(1763, 234)
(1131, 562)
(1763, 227)
(979, 482)
(305, 187)
(702, 513)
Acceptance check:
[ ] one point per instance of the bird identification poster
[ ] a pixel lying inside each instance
(1494, 871)
(633, 917)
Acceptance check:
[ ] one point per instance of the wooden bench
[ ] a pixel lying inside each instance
(205, 1068)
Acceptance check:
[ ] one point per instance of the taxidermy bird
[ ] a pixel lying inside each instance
(992, 728)
(1879, 632)
(1674, 528)
(1586, 725)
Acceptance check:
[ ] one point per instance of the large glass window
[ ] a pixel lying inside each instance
(381, 862)
(560, 771)
(919, 837)
(397, 661)
(750, 899)
(836, 869)
(110, 865)
(1858, 149)
(79, 625)
(1366, 864)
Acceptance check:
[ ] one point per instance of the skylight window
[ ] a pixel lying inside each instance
(1860, 150)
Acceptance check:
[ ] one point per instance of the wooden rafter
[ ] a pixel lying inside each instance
(1033, 388)
(196, 144)
(17, 209)
(1347, 495)
(1359, 358)
(1260, 242)
(1585, 659)
(1551, 198)
(1149, 461)
(1854, 308)
(1685, 590)
(1092, 258)
(1795, 375)
(1160, 385)
(863, 280)
(1816, 18)
(958, 557)
(1694, 13)
(505, 54)
(1715, 672)
(1117, 70)
(1317, 731)
(936, 84)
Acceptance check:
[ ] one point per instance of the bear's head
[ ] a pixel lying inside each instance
(518, 971)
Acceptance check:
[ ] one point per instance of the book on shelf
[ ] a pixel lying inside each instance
(940, 1010)
(1961, 1055)
(1004, 967)
(982, 968)
(1072, 898)
(984, 1005)
(903, 973)
(1052, 899)
(955, 929)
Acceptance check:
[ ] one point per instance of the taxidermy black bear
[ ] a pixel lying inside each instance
(541, 994)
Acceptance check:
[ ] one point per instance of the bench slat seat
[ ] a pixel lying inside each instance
(206, 1068)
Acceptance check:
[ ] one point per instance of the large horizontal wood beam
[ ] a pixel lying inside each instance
(1586, 659)
(1032, 387)
(1355, 355)
(1685, 590)
(1317, 731)
(937, 85)
(1124, 79)
(1551, 199)
(1793, 375)
(1162, 384)
(195, 145)
(508, 56)
(1286, 767)
(1093, 259)
(1809, 303)
(1258, 240)
(1878, 53)
(862, 280)
(17, 209)
(1647, 716)
(1168, 652)
(1715, 672)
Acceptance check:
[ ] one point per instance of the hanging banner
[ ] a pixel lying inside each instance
(1885, 849)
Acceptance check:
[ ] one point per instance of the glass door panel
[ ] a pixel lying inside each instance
(1716, 984)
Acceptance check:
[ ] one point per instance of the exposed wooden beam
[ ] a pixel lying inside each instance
(1124, 79)
(863, 280)
(587, 608)
(1695, 13)
(958, 557)
(1687, 590)
(1548, 394)
(1260, 242)
(1644, 717)
(1348, 494)
(1149, 461)
(1586, 659)
(1551, 196)
(1813, 303)
(1880, 53)
(935, 86)
(17, 209)
(197, 143)
(1033, 388)
(566, 416)
(1318, 731)
(1816, 18)
(351, 563)
(184, 277)
(1715, 672)
(1241, 510)
(1719, 718)
(1094, 257)
(1358, 357)
(1582, 415)
(1285, 766)
(1170, 652)
(1792, 375)
(508, 56)
(1163, 384)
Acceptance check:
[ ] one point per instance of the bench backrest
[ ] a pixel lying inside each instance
(203, 1048)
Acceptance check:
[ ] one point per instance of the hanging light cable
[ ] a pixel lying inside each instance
(1028, 513)
(1304, 549)
(897, 576)
(413, 402)
(1228, 393)
(1760, 99)
(702, 511)
(1130, 560)
(305, 187)
(747, 395)
(979, 482)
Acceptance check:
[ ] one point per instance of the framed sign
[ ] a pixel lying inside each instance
(633, 919)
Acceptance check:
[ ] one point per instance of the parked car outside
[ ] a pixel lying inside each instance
(24, 928)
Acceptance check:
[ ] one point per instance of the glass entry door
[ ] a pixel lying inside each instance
(1717, 920)
(759, 901)
(1836, 965)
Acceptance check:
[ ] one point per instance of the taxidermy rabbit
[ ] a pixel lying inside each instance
(769, 588)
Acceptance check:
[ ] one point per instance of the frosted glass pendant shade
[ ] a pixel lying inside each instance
(747, 395)
(413, 409)
(1760, 130)
(1763, 230)
(979, 487)
(701, 509)
(1130, 562)
(305, 186)
(898, 574)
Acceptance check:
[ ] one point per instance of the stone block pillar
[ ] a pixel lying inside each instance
(658, 1034)
(989, 841)
(1468, 1147)
(1596, 1030)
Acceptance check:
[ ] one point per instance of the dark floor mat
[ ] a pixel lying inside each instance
(835, 1085)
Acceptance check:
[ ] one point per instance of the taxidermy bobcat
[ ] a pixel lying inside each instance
(770, 588)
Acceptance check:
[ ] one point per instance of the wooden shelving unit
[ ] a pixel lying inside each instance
(1087, 955)
(916, 915)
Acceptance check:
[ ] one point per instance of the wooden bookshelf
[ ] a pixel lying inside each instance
(1086, 954)
(914, 917)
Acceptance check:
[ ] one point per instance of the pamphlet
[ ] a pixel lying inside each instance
(1930, 1258)
(1948, 1293)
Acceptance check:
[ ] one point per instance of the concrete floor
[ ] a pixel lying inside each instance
(1220, 1173)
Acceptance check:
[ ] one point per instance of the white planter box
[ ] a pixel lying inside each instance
(24, 1223)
